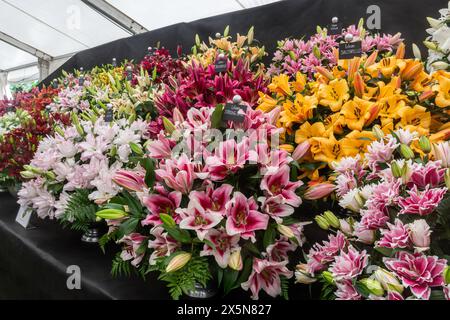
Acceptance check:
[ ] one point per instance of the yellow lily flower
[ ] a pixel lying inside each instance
(442, 99)
(223, 44)
(266, 102)
(356, 142)
(307, 131)
(334, 94)
(386, 67)
(415, 119)
(298, 111)
(359, 112)
(300, 81)
(336, 122)
(411, 69)
(326, 149)
(280, 85)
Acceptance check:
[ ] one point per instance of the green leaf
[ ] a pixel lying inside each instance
(245, 272)
(269, 235)
(150, 176)
(253, 249)
(127, 227)
(216, 117)
(154, 73)
(229, 280)
(384, 251)
(167, 220)
(134, 205)
(362, 289)
(219, 276)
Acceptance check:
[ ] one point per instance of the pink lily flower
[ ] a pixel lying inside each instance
(161, 148)
(397, 236)
(229, 158)
(349, 265)
(276, 207)
(197, 218)
(417, 271)
(178, 174)
(163, 245)
(322, 254)
(132, 243)
(161, 203)
(133, 181)
(279, 184)
(421, 202)
(279, 250)
(213, 200)
(224, 244)
(244, 217)
(266, 275)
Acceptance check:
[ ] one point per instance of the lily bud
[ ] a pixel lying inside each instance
(371, 59)
(373, 286)
(416, 52)
(345, 227)
(111, 214)
(388, 280)
(446, 275)
(430, 45)
(426, 95)
(177, 116)
(302, 275)
(396, 171)
(332, 219)
(178, 262)
(411, 72)
(50, 175)
(316, 52)
(400, 54)
(285, 231)
(33, 169)
(319, 191)
(59, 131)
(358, 84)
(235, 261)
(406, 151)
(301, 150)
(136, 149)
(325, 72)
(425, 144)
(27, 175)
(168, 125)
(292, 55)
(322, 222)
(377, 132)
(440, 65)
(328, 277)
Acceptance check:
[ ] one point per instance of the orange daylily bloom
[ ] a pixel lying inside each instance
(307, 131)
(442, 99)
(298, 111)
(415, 118)
(358, 113)
(280, 85)
(266, 102)
(356, 142)
(326, 149)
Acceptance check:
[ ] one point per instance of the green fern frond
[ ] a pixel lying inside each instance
(80, 211)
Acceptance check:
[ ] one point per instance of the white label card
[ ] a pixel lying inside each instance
(23, 216)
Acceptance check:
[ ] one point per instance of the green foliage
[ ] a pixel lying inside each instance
(80, 211)
(120, 267)
(284, 287)
(183, 280)
(216, 117)
(443, 211)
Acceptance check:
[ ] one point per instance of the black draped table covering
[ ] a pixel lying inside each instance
(34, 262)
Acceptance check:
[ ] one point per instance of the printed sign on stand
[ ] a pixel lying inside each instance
(349, 50)
(234, 112)
(23, 216)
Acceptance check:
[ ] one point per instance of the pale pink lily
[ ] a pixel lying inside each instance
(397, 236)
(161, 148)
(223, 243)
(279, 250)
(349, 265)
(276, 207)
(266, 276)
(163, 245)
(279, 184)
(244, 218)
(322, 254)
(132, 243)
(421, 202)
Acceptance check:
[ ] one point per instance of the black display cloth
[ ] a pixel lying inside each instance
(34, 262)
(289, 18)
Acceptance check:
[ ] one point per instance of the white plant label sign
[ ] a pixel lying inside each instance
(23, 216)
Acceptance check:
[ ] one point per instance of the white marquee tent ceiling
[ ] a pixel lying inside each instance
(56, 29)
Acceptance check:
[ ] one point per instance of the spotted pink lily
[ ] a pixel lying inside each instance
(199, 219)
(244, 217)
(213, 200)
(229, 157)
(223, 243)
(161, 203)
(178, 174)
(279, 184)
(276, 207)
